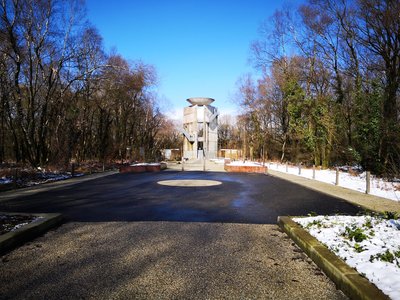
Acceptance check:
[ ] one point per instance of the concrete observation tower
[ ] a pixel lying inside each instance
(200, 128)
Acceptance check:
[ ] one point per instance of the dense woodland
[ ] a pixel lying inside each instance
(63, 98)
(328, 92)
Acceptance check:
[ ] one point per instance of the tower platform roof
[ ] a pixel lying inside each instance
(200, 101)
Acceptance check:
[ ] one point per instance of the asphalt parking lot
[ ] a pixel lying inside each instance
(169, 235)
(235, 198)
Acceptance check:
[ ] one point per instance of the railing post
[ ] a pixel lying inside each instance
(368, 183)
(299, 169)
(313, 172)
(287, 168)
(337, 176)
(15, 178)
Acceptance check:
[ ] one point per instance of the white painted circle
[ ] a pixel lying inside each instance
(190, 182)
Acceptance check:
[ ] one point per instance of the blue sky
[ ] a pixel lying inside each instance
(199, 48)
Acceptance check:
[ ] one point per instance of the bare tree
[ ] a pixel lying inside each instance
(61, 96)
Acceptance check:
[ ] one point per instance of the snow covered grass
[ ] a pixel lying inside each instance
(370, 244)
(379, 187)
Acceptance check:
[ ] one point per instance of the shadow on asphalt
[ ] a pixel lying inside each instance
(241, 198)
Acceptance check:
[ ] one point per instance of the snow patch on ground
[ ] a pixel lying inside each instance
(13, 222)
(40, 178)
(237, 162)
(5, 180)
(25, 223)
(50, 178)
(43, 179)
(369, 244)
(145, 164)
(244, 163)
(379, 187)
(218, 161)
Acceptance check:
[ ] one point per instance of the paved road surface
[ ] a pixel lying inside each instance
(225, 246)
(240, 198)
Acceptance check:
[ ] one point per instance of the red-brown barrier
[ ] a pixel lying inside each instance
(142, 168)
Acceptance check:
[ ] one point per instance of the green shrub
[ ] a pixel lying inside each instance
(391, 215)
(317, 223)
(387, 256)
(368, 223)
(358, 248)
(356, 234)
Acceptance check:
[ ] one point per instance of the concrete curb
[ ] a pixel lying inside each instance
(346, 278)
(13, 239)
